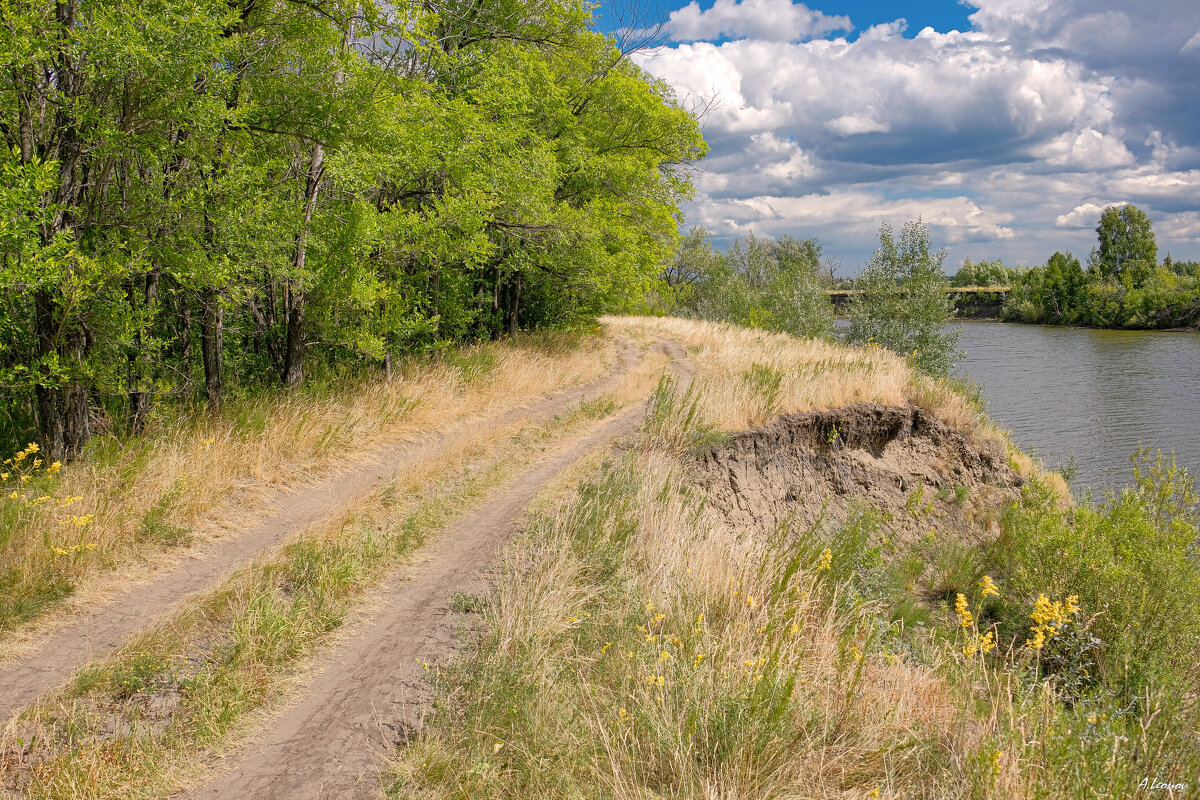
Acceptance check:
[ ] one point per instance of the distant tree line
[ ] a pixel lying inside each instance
(232, 193)
(1123, 285)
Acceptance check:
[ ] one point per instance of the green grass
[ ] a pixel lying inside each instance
(629, 653)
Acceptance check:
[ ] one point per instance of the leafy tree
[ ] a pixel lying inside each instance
(235, 193)
(1127, 251)
(1122, 289)
(982, 273)
(760, 283)
(902, 303)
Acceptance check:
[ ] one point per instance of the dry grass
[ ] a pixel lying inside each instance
(746, 376)
(148, 719)
(638, 647)
(815, 374)
(196, 475)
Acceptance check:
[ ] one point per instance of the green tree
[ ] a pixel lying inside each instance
(762, 283)
(1127, 251)
(982, 273)
(902, 302)
(241, 192)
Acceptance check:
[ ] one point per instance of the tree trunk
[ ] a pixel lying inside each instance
(47, 397)
(139, 395)
(516, 302)
(293, 292)
(184, 338)
(211, 345)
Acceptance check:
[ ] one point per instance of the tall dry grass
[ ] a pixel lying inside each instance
(638, 647)
(195, 475)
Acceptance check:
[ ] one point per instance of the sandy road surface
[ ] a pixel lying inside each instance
(99, 630)
(369, 692)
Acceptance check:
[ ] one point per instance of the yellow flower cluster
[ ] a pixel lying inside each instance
(17, 468)
(29, 450)
(826, 561)
(68, 551)
(965, 618)
(980, 644)
(989, 587)
(1049, 619)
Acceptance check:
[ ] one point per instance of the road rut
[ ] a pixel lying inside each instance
(369, 693)
(101, 629)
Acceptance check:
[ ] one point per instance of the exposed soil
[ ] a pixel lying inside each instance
(101, 629)
(371, 695)
(903, 461)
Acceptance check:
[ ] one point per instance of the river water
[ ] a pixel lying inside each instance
(1089, 395)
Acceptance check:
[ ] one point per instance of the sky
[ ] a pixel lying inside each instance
(1006, 125)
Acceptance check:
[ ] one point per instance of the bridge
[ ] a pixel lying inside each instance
(950, 291)
(975, 301)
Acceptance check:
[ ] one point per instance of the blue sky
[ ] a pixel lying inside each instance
(1007, 125)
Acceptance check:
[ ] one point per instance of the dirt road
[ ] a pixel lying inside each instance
(101, 629)
(371, 691)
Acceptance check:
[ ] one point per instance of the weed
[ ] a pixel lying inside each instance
(155, 525)
(765, 383)
(463, 603)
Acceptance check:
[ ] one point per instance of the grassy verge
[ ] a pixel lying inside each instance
(131, 500)
(145, 721)
(638, 647)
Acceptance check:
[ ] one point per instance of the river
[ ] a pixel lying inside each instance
(1089, 395)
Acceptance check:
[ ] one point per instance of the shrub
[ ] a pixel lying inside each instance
(902, 304)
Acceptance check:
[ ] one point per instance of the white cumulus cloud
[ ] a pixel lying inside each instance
(770, 20)
(989, 134)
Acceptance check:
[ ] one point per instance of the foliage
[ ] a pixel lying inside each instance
(220, 195)
(1132, 563)
(758, 283)
(902, 303)
(1121, 288)
(983, 273)
(1127, 251)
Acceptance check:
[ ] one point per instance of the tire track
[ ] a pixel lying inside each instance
(371, 692)
(101, 629)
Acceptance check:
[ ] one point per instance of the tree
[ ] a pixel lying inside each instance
(902, 302)
(1127, 251)
(982, 273)
(234, 192)
(761, 283)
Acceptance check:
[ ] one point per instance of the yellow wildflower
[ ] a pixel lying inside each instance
(826, 561)
(965, 618)
(989, 587)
